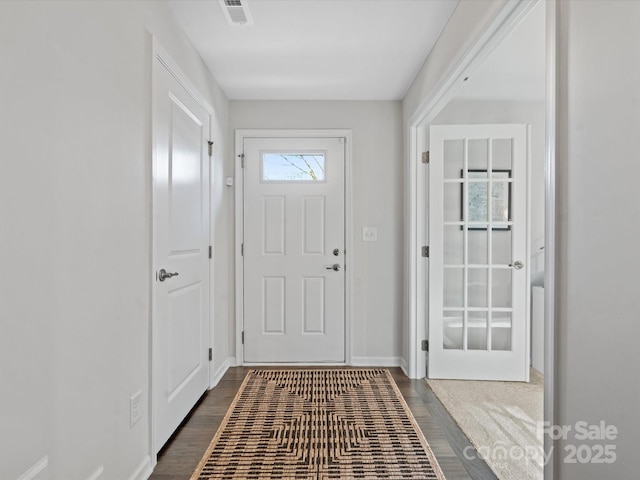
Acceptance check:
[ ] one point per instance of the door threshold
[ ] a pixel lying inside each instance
(295, 364)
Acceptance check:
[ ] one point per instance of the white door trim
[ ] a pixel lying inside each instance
(506, 18)
(550, 235)
(240, 135)
(160, 54)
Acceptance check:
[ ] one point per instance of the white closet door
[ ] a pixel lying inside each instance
(181, 238)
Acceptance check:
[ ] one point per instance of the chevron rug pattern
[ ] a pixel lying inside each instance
(318, 424)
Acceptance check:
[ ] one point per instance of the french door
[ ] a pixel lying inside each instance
(478, 273)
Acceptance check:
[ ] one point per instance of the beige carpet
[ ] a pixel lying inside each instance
(318, 424)
(503, 420)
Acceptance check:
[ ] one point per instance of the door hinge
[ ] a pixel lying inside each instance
(425, 157)
(242, 249)
(242, 338)
(210, 143)
(210, 354)
(210, 251)
(241, 160)
(425, 345)
(425, 251)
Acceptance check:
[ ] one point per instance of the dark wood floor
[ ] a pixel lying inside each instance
(182, 453)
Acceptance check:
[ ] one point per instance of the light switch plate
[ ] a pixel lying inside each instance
(369, 234)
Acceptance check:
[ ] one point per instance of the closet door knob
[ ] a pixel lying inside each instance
(163, 275)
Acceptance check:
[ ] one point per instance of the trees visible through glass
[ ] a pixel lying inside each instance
(286, 167)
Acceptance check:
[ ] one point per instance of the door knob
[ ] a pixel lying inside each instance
(335, 267)
(518, 265)
(163, 274)
(336, 251)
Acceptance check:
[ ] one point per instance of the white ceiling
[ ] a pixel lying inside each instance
(515, 70)
(316, 49)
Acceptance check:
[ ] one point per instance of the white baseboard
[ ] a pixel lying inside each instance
(404, 366)
(293, 364)
(376, 361)
(221, 370)
(144, 470)
(37, 471)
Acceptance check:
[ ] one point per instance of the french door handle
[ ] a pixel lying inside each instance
(163, 274)
(518, 265)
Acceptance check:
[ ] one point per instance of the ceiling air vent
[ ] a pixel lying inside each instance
(236, 12)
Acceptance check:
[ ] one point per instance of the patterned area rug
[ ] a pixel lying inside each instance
(318, 424)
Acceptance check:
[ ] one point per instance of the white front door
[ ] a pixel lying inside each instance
(180, 234)
(294, 250)
(478, 273)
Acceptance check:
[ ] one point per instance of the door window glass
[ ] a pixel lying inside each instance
(293, 167)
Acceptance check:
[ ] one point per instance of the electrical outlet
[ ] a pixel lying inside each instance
(369, 234)
(135, 408)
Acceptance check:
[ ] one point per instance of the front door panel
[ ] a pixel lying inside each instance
(293, 237)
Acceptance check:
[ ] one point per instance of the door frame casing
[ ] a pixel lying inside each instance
(240, 135)
(158, 53)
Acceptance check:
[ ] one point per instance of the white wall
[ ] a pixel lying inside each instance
(377, 202)
(598, 228)
(75, 230)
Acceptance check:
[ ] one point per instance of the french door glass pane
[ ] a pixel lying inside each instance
(477, 331)
(477, 287)
(453, 158)
(478, 154)
(501, 331)
(500, 201)
(477, 200)
(452, 201)
(502, 153)
(453, 288)
(501, 241)
(478, 247)
(501, 287)
(452, 337)
(453, 245)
